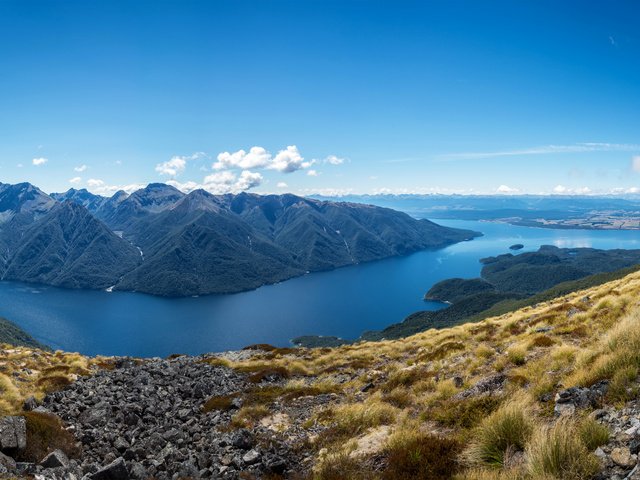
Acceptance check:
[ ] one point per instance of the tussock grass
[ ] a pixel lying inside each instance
(248, 416)
(53, 383)
(222, 403)
(465, 413)
(355, 418)
(46, 433)
(507, 429)
(558, 451)
(341, 466)
(420, 456)
(592, 433)
(618, 353)
(517, 354)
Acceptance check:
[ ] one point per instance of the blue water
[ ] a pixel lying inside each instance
(343, 302)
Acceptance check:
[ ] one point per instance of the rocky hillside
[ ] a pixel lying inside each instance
(549, 391)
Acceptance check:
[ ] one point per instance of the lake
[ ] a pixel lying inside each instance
(342, 302)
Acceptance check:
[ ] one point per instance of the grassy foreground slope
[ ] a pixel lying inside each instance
(412, 407)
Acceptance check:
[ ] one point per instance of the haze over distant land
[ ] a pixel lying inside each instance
(610, 212)
(353, 97)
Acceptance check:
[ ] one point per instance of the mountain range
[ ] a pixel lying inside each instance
(161, 241)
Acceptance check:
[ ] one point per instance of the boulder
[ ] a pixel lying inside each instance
(30, 404)
(13, 433)
(55, 459)
(116, 470)
(570, 399)
(7, 464)
(623, 457)
(487, 386)
(242, 439)
(251, 457)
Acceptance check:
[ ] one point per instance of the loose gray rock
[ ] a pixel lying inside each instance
(251, 457)
(13, 433)
(116, 470)
(570, 399)
(7, 464)
(30, 404)
(145, 416)
(57, 458)
(487, 386)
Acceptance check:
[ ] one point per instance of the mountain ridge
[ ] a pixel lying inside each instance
(161, 241)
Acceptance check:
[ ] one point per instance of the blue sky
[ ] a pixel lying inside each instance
(336, 96)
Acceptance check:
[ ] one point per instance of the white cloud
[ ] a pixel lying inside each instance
(177, 164)
(19, 165)
(635, 163)
(75, 180)
(561, 189)
(312, 173)
(185, 187)
(506, 189)
(80, 168)
(222, 182)
(39, 161)
(221, 178)
(94, 182)
(327, 192)
(289, 160)
(282, 185)
(248, 180)
(545, 150)
(257, 157)
(173, 167)
(333, 160)
(100, 188)
(285, 161)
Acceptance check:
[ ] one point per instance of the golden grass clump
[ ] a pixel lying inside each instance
(558, 451)
(464, 413)
(618, 353)
(249, 415)
(506, 430)
(517, 354)
(592, 433)
(355, 418)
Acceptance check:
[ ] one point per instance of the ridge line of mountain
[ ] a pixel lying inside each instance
(161, 241)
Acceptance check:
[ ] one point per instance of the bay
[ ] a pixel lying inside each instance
(343, 302)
